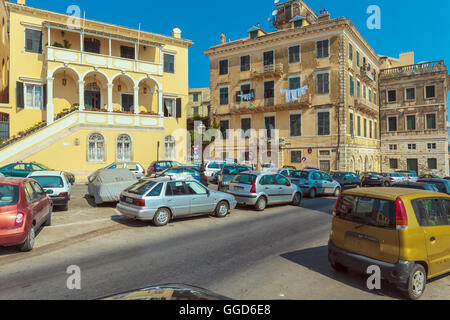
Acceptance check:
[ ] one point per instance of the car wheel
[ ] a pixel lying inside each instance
(417, 282)
(337, 192)
(162, 217)
(358, 186)
(339, 268)
(312, 193)
(65, 207)
(48, 222)
(222, 209)
(261, 204)
(297, 200)
(29, 241)
(387, 184)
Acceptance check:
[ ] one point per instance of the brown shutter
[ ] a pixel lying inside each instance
(20, 101)
(45, 96)
(179, 108)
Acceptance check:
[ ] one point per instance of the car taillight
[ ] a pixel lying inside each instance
(143, 171)
(63, 194)
(205, 178)
(401, 216)
(391, 179)
(253, 189)
(336, 206)
(19, 220)
(139, 202)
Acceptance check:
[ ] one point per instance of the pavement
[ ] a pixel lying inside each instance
(278, 254)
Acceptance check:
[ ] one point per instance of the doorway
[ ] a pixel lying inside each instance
(413, 165)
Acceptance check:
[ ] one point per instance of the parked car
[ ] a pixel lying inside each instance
(228, 173)
(403, 231)
(23, 169)
(55, 185)
(268, 167)
(412, 175)
(183, 173)
(428, 176)
(394, 177)
(283, 172)
(163, 200)
(260, 189)
(347, 180)
(374, 179)
(24, 208)
(441, 184)
(314, 183)
(107, 185)
(160, 166)
(416, 185)
(211, 168)
(290, 168)
(136, 168)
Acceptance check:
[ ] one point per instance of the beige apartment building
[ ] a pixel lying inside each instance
(314, 78)
(413, 120)
(199, 105)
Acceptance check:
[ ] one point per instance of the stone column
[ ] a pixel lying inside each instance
(81, 94)
(50, 106)
(110, 97)
(136, 100)
(160, 103)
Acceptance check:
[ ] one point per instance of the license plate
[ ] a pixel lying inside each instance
(129, 200)
(238, 188)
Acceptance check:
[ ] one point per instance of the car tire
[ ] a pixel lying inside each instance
(337, 192)
(261, 204)
(48, 222)
(338, 267)
(162, 217)
(312, 193)
(417, 283)
(387, 184)
(28, 245)
(65, 207)
(297, 201)
(222, 210)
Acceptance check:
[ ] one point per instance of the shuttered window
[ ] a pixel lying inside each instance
(323, 83)
(33, 41)
(169, 63)
(322, 49)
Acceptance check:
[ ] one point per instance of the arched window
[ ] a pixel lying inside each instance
(124, 148)
(96, 152)
(169, 148)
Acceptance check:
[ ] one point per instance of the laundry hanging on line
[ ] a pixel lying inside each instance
(294, 95)
(247, 97)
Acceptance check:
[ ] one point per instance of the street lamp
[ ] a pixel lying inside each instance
(201, 131)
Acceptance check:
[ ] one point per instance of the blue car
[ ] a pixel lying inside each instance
(160, 166)
(179, 172)
(314, 183)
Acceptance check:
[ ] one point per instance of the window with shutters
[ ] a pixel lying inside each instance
(359, 126)
(223, 67)
(352, 125)
(245, 63)
(350, 52)
(323, 123)
(169, 148)
(224, 127)
(169, 108)
(34, 96)
(127, 52)
(411, 123)
(246, 125)
(431, 121)
(92, 45)
(33, 41)
(322, 49)
(296, 157)
(224, 96)
(323, 83)
(296, 125)
(169, 63)
(294, 54)
(392, 124)
(352, 86)
(294, 83)
(268, 58)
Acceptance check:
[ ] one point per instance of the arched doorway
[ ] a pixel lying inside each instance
(123, 93)
(95, 86)
(148, 96)
(65, 89)
(4, 126)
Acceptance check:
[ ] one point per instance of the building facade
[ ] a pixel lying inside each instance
(83, 94)
(315, 79)
(414, 134)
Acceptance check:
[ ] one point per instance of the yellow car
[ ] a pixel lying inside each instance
(405, 232)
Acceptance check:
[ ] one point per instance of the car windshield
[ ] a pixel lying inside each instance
(248, 179)
(339, 175)
(232, 171)
(142, 187)
(49, 181)
(9, 195)
(43, 166)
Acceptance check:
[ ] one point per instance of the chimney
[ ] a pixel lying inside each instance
(22, 2)
(176, 33)
(223, 38)
(323, 16)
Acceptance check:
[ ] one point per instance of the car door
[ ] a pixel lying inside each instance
(317, 182)
(328, 184)
(201, 200)
(33, 204)
(270, 188)
(43, 203)
(436, 231)
(284, 188)
(178, 198)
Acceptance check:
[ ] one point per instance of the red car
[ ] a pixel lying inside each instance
(24, 208)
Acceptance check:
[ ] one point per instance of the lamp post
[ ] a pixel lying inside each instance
(201, 131)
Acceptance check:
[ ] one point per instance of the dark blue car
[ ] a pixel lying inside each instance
(184, 171)
(160, 166)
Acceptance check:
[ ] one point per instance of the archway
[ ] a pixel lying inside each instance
(95, 91)
(148, 96)
(123, 93)
(65, 89)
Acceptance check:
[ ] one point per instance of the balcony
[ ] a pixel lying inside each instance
(272, 70)
(414, 69)
(366, 107)
(103, 61)
(367, 75)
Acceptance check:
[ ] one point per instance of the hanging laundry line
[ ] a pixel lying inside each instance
(294, 95)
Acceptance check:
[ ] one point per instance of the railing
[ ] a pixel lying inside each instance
(277, 69)
(426, 66)
(269, 102)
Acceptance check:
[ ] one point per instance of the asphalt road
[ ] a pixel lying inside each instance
(278, 254)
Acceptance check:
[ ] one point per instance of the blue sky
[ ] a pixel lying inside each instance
(406, 25)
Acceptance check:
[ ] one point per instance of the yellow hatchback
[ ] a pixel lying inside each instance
(405, 232)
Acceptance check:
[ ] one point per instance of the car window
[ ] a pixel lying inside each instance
(316, 176)
(50, 182)
(247, 179)
(132, 167)
(9, 195)
(300, 174)
(446, 208)
(428, 212)
(339, 176)
(141, 188)
(30, 193)
(268, 180)
(326, 176)
(195, 188)
(38, 190)
(282, 181)
(175, 189)
(213, 165)
(20, 166)
(156, 192)
(113, 166)
(36, 168)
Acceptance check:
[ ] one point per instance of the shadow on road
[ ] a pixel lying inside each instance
(132, 223)
(316, 259)
(91, 202)
(323, 204)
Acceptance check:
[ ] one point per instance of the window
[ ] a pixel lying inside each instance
(428, 212)
(298, 23)
(176, 189)
(432, 146)
(268, 180)
(34, 96)
(412, 146)
(323, 121)
(393, 147)
(431, 121)
(124, 148)
(393, 163)
(323, 83)
(376, 130)
(296, 157)
(430, 92)
(195, 97)
(245, 63)
(392, 96)
(224, 126)
(350, 52)
(364, 91)
(127, 52)
(254, 34)
(352, 125)
(370, 130)
(246, 125)
(392, 124)
(358, 59)
(169, 108)
(195, 188)
(370, 95)
(169, 63)
(324, 153)
(195, 111)
(411, 123)
(352, 86)
(288, 12)
(269, 92)
(268, 58)
(322, 49)
(375, 98)
(294, 54)
(410, 94)
(223, 67)
(33, 41)
(224, 99)
(359, 89)
(282, 181)
(96, 152)
(169, 148)
(127, 102)
(325, 165)
(296, 125)
(92, 45)
(365, 128)
(359, 126)
(432, 164)
(270, 125)
(294, 83)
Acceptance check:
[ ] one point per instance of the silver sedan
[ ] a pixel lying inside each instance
(161, 200)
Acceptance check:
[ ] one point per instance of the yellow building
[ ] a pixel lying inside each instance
(83, 94)
(199, 103)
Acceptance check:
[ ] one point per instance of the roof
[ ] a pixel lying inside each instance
(387, 193)
(10, 180)
(46, 173)
(254, 28)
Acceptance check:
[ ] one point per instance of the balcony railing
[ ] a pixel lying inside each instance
(104, 61)
(415, 68)
(269, 70)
